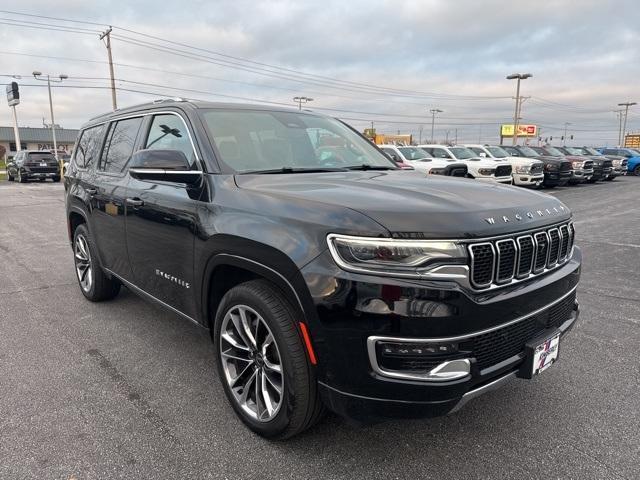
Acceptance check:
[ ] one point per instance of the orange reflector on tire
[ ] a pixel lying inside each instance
(307, 343)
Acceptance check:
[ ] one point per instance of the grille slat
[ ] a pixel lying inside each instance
(503, 170)
(499, 262)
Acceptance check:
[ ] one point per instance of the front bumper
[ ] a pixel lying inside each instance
(352, 308)
(556, 178)
(503, 180)
(528, 180)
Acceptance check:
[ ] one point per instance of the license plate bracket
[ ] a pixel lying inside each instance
(540, 354)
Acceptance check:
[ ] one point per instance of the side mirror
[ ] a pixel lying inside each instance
(482, 155)
(163, 165)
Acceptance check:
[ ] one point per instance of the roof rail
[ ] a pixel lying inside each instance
(174, 99)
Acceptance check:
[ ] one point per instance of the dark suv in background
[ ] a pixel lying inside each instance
(326, 275)
(581, 168)
(33, 165)
(602, 166)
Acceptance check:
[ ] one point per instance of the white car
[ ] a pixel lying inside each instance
(527, 172)
(424, 162)
(479, 168)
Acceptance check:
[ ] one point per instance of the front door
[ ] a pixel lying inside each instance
(161, 219)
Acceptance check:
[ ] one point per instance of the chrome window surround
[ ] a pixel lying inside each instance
(461, 274)
(373, 340)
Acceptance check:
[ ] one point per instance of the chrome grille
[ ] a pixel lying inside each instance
(588, 166)
(554, 247)
(504, 260)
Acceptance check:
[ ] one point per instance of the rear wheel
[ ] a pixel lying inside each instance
(9, 176)
(636, 171)
(262, 362)
(21, 178)
(94, 283)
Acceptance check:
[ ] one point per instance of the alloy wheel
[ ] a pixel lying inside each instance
(83, 263)
(251, 362)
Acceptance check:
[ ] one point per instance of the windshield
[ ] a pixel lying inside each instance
(554, 152)
(267, 141)
(574, 150)
(497, 152)
(528, 151)
(462, 153)
(513, 151)
(591, 151)
(414, 153)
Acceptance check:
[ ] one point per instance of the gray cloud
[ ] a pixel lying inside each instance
(583, 55)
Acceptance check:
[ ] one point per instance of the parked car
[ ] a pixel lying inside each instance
(618, 163)
(421, 160)
(582, 169)
(602, 166)
(478, 168)
(323, 275)
(526, 172)
(557, 171)
(632, 156)
(33, 165)
(393, 154)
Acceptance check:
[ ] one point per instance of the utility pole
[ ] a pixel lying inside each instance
(517, 76)
(107, 34)
(420, 136)
(301, 100)
(433, 119)
(61, 78)
(619, 116)
(626, 113)
(564, 142)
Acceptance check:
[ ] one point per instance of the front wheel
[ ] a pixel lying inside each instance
(262, 362)
(21, 178)
(56, 179)
(9, 177)
(636, 171)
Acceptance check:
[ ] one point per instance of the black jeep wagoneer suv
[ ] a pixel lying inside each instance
(327, 276)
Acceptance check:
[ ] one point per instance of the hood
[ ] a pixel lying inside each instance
(480, 162)
(520, 160)
(408, 204)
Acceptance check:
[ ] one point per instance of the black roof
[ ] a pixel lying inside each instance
(171, 102)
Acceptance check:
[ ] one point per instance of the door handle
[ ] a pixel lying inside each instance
(91, 191)
(135, 202)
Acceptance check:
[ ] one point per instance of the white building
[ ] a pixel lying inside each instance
(36, 139)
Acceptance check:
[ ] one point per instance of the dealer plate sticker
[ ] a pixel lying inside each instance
(545, 354)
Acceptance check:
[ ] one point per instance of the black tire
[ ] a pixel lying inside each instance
(21, 179)
(56, 179)
(300, 405)
(100, 287)
(9, 177)
(636, 171)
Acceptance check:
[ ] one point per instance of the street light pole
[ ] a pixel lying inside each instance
(301, 100)
(61, 77)
(517, 76)
(433, 119)
(626, 112)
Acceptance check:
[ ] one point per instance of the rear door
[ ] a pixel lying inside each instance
(161, 220)
(108, 190)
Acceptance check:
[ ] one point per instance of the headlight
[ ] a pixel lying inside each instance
(617, 162)
(577, 164)
(387, 256)
(486, 171)
(550, 166)
(523, 168)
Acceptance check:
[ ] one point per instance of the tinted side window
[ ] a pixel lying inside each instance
(168, 132)
(119, 146)
(439, 153)
(88, 146)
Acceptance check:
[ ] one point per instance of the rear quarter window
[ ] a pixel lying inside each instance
(88, 146)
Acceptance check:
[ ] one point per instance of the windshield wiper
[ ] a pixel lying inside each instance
(366, 166)
(294, 170)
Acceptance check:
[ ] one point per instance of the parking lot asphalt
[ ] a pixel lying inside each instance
(124, 389)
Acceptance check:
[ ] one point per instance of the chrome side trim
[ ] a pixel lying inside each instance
(147, 295)
(163, 171)
(494, 385)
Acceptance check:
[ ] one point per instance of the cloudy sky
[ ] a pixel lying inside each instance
(389, 62)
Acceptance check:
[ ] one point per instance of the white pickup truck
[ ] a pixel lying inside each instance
(424, 161)
(479, 168)
(527, 172)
